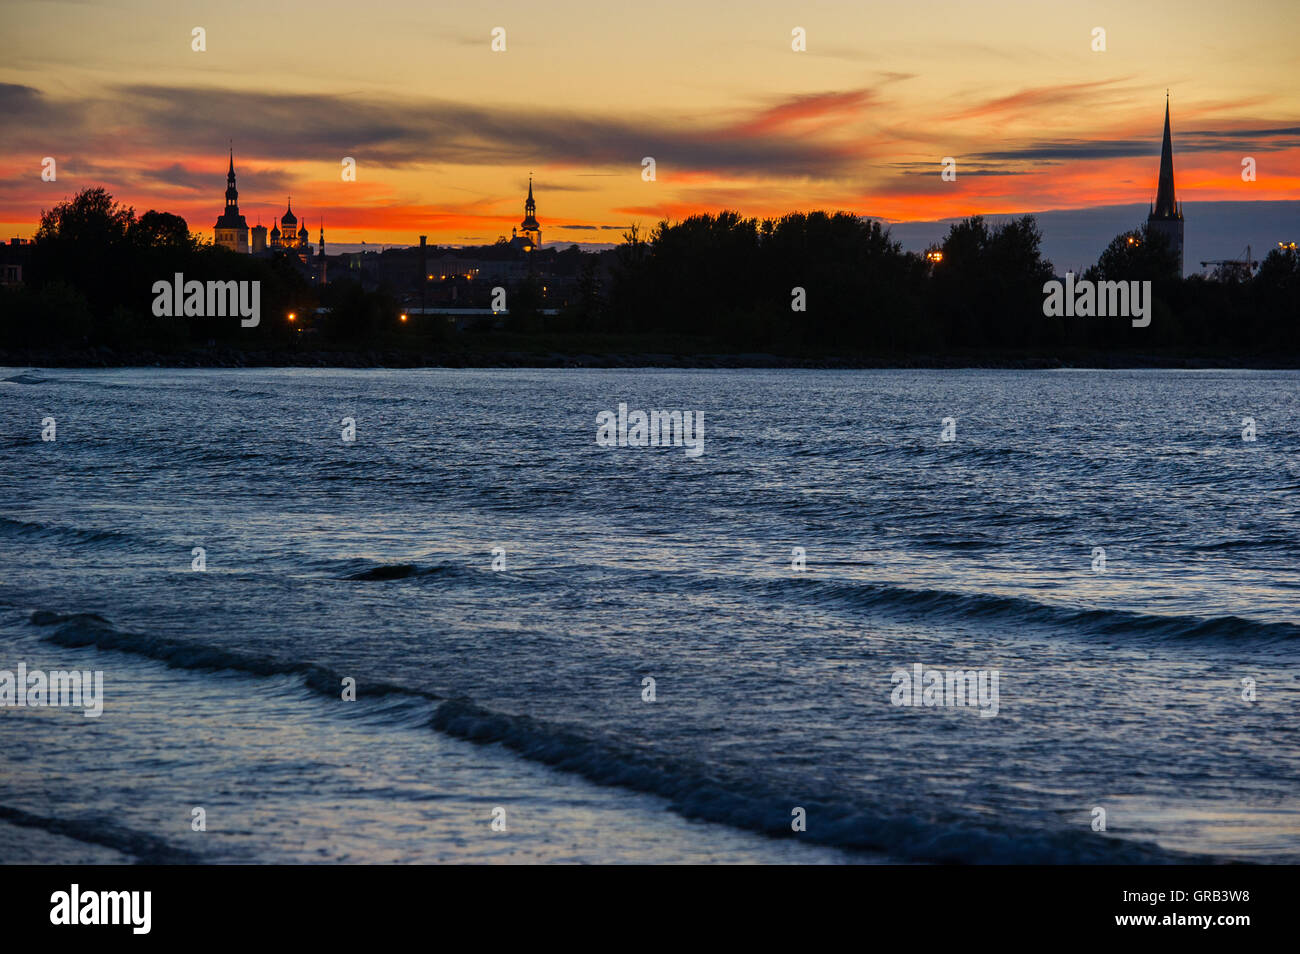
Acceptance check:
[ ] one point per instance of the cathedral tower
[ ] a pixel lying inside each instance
(532, 232)
(231, 230)
(1166, 215)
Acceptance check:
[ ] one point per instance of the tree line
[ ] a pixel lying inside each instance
(834, 281)
(89, 281)
(816, 282)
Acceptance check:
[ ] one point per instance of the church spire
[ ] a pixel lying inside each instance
(529, 226)
(1166, 218)
(232, 194)
(1166, 207)
(231, 228)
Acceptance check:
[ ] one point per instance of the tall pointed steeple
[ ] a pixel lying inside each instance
(231, 229)
(232, 194)
(1166, 216)
(321, 253)
(1165, 206)
(529, 226)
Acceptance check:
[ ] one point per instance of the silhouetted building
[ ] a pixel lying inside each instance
(320, 255)
(231, 228)
(232, 231)
(532, 232)
(14, 257)
(284, 238)
(1166, 215)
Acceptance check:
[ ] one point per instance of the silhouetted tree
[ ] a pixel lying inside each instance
(1139, 255)
(91, 217)
(987, 292)
(722, 281)
(1275, 293)
(97, 247)
(161, 228)
(629, 304)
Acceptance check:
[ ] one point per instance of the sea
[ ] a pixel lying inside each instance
(410, 616)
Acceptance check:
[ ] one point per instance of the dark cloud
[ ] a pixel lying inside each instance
(15, 100)
(550, 186)
(1283, 137)
(964, 168)
(1287, 136)
(178, 177)
(202, 181)
(1076, 149)
(419, 132)
(27, 110)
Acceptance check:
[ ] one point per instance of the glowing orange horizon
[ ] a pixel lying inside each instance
(381, 216)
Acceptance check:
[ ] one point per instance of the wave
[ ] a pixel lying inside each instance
(144, 848)
(910, 603)
(10, 527)
(895, 601)
(698, 793)
(403, 571)
(944, 541)
(25, 377)
(80, 630)
(1265, 543)
(960, 607)
(692, 790)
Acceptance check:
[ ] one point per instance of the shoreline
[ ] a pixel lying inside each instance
(387, 358)
(320, 812)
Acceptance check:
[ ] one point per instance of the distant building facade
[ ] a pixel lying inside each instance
(286, 235)
(231, 230)
(531, 237)
(14, 257)
(1166, 216)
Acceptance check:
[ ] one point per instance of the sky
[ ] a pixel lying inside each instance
(445, 131)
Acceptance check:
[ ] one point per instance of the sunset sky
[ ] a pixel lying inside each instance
(445, 131)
